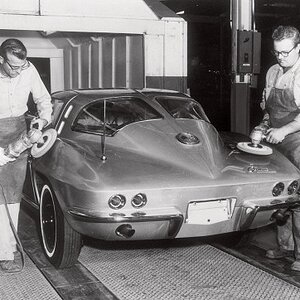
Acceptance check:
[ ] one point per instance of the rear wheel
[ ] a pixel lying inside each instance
(61, 243)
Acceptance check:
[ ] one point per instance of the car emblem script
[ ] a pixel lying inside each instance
(255, 169)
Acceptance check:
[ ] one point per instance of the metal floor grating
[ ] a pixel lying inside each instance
(30, 284)
(187, 273)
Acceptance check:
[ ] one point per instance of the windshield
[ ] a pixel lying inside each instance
(182, 108)
(118, 113)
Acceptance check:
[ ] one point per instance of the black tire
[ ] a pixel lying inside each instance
(60, 242)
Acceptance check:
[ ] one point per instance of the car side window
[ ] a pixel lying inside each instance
(117, 114)
(57, 107)
(182, 108)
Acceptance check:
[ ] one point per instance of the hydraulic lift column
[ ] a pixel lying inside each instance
(246, 46)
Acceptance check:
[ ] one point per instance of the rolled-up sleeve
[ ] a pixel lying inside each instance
(297, 95)
(41, 97)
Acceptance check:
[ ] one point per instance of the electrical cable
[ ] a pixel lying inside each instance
(11, 223)
(24, 142)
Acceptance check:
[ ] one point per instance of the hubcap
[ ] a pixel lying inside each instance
(48, 222)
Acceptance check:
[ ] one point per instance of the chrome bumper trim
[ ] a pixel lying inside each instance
(84, 217)
(250, 216)
(175, 220)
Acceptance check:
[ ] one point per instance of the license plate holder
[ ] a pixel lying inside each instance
(210, 212)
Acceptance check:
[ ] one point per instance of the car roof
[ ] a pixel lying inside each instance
(111, 92)
(93, 93)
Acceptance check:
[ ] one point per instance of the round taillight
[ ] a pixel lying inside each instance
(117, 201)
(293, 187)
(278, 189)
(139, 200)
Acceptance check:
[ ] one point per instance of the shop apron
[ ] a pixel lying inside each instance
(12, 175)
(282, 109)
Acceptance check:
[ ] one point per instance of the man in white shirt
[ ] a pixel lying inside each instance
(18, 78)
(281, 104)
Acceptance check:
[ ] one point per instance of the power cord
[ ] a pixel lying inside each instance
(11, 223)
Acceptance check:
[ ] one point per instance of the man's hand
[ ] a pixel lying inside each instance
(3, 158)
(275, 135)
(38, 123)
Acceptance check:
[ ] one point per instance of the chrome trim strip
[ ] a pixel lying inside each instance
(250, 217)
(121, 219)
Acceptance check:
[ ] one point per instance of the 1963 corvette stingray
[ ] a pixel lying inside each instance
(147, 164)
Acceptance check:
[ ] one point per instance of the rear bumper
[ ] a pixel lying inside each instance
(154, 224)
(169, 222)
(250, 212)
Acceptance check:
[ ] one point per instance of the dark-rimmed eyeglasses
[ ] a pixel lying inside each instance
(283, 53)
(25, 66)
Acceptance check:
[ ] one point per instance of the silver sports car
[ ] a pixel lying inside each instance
(147, 164)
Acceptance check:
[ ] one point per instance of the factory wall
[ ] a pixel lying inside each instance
(108, 43)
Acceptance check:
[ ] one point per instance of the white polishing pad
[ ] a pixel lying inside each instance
(45, 143)
(258, 150)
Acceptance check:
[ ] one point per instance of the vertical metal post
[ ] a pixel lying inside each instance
(241, 19)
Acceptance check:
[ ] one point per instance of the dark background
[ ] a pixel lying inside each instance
(209, 50)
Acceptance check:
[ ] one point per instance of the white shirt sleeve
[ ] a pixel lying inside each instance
(297, 95)
(41, 97)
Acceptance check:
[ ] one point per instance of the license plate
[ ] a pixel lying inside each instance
(210, 212)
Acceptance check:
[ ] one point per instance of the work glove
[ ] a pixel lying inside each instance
(38, 123)
(3, 158)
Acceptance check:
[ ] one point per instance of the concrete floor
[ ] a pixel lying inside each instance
(110, 272)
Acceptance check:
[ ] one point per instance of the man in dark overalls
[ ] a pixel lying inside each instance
(281, 104)
(18, 78)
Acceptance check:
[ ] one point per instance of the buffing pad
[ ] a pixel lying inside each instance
(258, 150)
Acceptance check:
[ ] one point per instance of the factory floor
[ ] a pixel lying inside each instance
(178, 269)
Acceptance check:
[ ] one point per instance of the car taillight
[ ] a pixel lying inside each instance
(139, 200)
(117, 201)
(278, 189)
(293, 187)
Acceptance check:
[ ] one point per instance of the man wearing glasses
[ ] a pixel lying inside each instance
(18, 78)
(281, 106)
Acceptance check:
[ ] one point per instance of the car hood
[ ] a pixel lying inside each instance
(149, 154)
